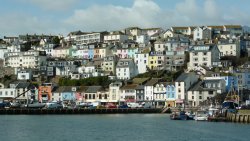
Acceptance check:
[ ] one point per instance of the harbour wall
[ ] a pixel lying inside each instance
(243, 116)
(75, 111)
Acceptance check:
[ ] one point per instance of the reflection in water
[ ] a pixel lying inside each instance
(117, 127)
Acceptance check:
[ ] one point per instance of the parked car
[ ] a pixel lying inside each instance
(123, 106)
(110, 105)
(4, 104)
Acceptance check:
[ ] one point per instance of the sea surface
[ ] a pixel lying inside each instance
(116, 127)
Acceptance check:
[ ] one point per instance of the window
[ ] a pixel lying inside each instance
(192, 97)
(200, 97)
(204, 53)
(210, 92)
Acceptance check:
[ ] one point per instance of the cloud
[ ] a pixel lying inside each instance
(53, 4)
(13, 24)
(142, 13)
(147, 13)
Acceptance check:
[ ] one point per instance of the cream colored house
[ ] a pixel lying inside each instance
(28, 59)
(229, 49)
(115, 91)
(203, 55)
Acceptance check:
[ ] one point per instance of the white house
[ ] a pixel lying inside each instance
(202, 33)
(198, 94)
(29, 59)
(204, 55)
(126, 69)
(24, 75)
(128, 93)
(115, 91)
(6, 93)
(168, 33)
(149, 89)
(115, 37)
(160, 94)
(141, 60)
(159, 45)
(182, 84)
(88, 38)
(229, 49)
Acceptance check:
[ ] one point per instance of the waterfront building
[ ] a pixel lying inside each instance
(170, 94)
(149, 89)
(95, 93)
(160, 94)
(197, 95)
(7, 93)
(21, 90)
(45, 93)
(140, 94)
(182, 84)
(115, 91)
(128, 93)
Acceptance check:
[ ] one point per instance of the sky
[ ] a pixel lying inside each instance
(63, 16)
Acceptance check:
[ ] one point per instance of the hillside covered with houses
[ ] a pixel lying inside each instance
(179, 66)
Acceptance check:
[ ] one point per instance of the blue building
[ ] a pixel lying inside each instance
(231, 82)
(170, 94)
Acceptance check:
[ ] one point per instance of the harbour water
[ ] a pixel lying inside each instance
(116, 127)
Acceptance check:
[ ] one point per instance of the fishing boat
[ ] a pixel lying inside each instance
(231, 102)
(179, 116)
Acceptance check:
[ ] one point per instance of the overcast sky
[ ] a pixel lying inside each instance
(63, 16)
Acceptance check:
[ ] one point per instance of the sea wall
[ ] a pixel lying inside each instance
(243, 116)
(75, 111)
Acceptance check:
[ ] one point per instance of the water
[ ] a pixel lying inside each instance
(116, 127)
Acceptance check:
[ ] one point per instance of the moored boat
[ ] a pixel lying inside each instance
(179, 116)
(201, 115)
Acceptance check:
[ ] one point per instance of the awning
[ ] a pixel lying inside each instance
(179, 100)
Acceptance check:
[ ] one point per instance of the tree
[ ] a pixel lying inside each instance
(56, 40)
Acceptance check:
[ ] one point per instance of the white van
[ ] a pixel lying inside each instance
(146, 105)
(133, 105)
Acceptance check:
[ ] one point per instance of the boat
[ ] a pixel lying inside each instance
(201, 115)
(36, 105)
(190, 115)
(231, 102)
(179, 116)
